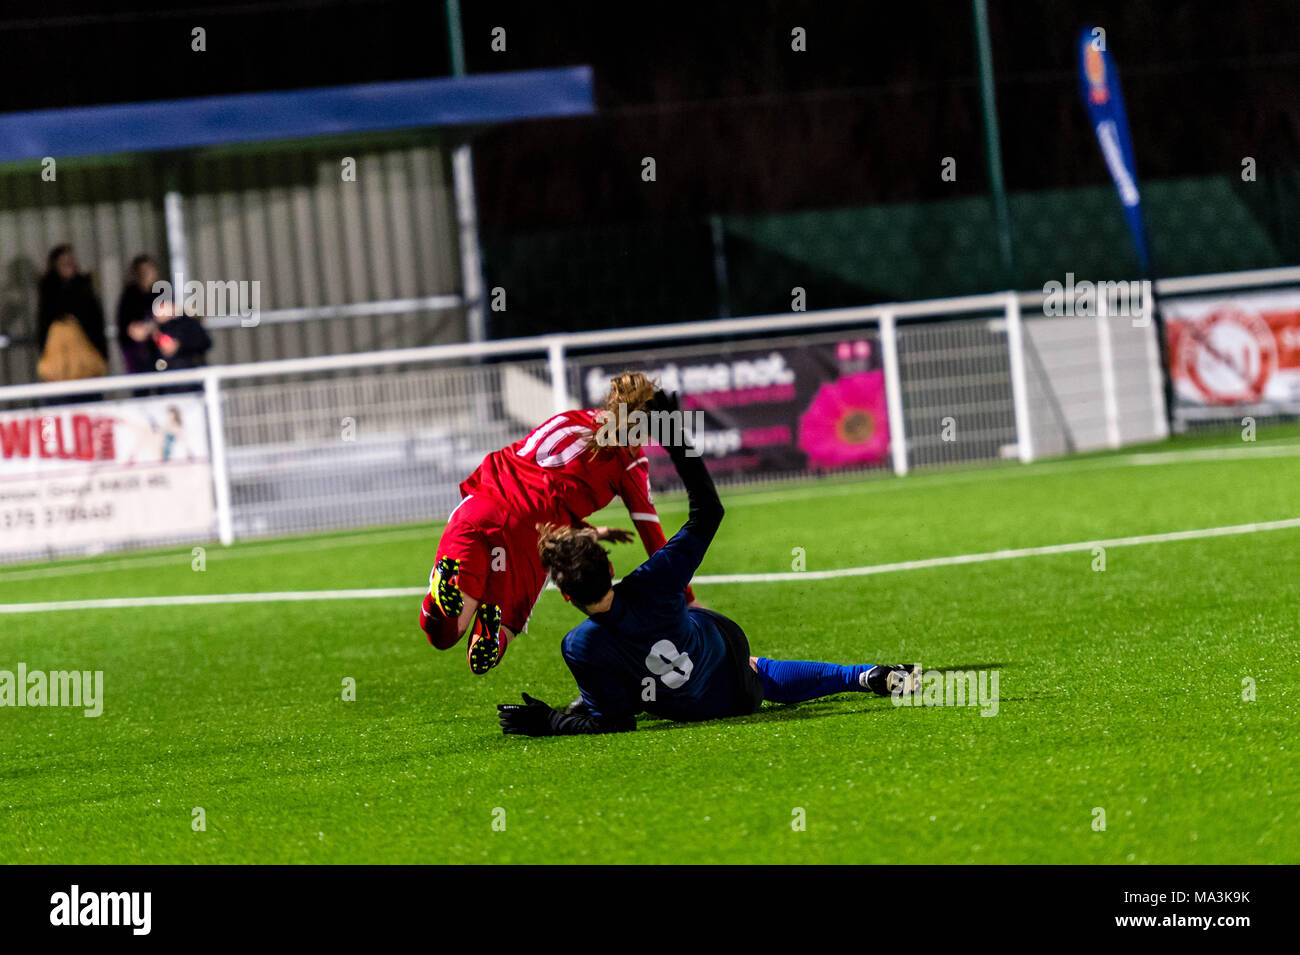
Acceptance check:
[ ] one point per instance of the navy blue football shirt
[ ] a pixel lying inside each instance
(650, 652)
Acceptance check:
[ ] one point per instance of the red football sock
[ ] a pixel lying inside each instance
(442, 632)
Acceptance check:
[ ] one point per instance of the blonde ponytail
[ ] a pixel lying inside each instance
(632, 390)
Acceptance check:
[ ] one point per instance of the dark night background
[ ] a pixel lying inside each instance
(739, 124)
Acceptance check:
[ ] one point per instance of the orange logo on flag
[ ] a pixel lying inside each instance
(1094, 66)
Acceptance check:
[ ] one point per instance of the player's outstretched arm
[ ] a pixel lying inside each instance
(673, 565)
(535, 718)
(706, 509)
(635, 492)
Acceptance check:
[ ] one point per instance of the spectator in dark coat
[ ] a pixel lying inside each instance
(182, 342)
(65, 290)
(135, 319)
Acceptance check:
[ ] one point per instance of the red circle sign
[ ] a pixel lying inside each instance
(1229, 355)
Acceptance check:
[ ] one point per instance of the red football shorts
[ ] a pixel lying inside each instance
(498, 558)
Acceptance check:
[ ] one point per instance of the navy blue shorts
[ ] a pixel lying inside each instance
(748, 685)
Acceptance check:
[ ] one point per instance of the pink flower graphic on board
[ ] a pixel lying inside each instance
(847, 422)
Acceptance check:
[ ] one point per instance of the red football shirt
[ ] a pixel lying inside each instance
(552, 476)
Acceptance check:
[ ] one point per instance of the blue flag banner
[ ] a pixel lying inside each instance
(1099, 84)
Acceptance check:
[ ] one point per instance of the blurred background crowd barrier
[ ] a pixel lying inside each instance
(452, 239)
(376, 438)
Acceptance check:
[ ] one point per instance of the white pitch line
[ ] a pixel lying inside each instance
(1213, 454)
(920, 481)
(190, 600)
(1010, 554)
(245, 549)
(119, 603)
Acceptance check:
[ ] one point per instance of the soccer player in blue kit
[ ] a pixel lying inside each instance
(643, 649)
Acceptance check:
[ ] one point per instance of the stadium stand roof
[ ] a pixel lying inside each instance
(293, 114)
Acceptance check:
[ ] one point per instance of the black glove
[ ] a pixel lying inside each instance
(663, 401)
(533, 718)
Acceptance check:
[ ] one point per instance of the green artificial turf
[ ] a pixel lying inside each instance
(1120, 690)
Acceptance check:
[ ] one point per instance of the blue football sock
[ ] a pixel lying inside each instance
(794, 681)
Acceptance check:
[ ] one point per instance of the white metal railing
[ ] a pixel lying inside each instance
(559, 343)
(310, 313)
(1009, 310)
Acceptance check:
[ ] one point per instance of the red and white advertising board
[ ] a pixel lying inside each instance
(1241, 350)
(95, 475)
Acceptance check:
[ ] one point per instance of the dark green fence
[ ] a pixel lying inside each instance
(679, 271)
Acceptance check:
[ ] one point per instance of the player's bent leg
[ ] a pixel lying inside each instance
(447, 611)
(496, 625)
(443, 632)
(459, 575)
(488, 640)
(511, 590)
(444, 587)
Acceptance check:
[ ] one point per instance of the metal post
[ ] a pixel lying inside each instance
(893, 392)
(174, 222)
(462, 181)
(992, 140)
(220, 469)
(1155, 364)
(471, 266)
(455, 39)
(559, 386)
(1106, 353)
(720, 280)
(1019, 383)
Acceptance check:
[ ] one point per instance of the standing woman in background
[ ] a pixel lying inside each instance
(69, 321)
(135, 318)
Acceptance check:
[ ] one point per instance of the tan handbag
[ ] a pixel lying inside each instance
(69, 355)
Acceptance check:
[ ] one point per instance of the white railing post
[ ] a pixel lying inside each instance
(893, 392)
(177, 250)
(220, 469)
(1155, 373)
(1019, 383)
(1106, 354)
(559, 386)
(471, 267)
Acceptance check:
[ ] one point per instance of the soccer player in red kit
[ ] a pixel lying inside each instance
(488, 573)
